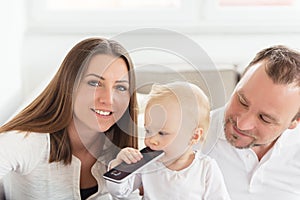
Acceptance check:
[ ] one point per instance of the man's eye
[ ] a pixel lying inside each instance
(94, 83)
(242, 102)
(265, 119)
(121, 88)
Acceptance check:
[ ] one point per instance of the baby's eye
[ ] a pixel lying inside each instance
(94, 83)
(147, 131)
(161, 133)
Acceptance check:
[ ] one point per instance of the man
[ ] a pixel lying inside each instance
(255, 139)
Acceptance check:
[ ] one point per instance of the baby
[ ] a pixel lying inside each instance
(176, 118)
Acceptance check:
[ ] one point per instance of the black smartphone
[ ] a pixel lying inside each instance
(122, 171)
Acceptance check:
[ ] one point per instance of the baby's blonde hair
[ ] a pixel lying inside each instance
(190, 97)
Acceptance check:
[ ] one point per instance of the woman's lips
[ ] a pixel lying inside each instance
(101, 112)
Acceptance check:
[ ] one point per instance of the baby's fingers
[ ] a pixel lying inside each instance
(131, 155)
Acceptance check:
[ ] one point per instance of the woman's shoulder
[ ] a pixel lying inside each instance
(20, 138)
(23, 149)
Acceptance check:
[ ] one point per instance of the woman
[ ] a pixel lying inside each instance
(59, 145)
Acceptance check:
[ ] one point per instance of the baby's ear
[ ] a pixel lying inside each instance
(197, 135)
(294, 123)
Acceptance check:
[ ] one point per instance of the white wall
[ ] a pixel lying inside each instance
(31, 57)
(12, 28)
(48, 51)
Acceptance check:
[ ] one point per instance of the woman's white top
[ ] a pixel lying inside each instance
(26, 173)
(201, 180)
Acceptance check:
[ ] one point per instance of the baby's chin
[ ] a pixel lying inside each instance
(168, 157)
(155, 148)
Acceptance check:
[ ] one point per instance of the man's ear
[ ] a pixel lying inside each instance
(294, 123)
(197, 135)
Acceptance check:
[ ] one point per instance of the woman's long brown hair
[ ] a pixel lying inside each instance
(52, 111)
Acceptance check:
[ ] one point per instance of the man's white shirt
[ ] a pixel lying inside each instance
(276, 176)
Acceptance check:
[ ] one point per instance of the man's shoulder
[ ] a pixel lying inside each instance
(215, 130)
(217, 114)
(291, 137)
(216, 122)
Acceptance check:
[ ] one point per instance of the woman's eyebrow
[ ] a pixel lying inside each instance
(122, 81)
(102, 78)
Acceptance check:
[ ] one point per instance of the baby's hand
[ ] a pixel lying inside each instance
(128, 155)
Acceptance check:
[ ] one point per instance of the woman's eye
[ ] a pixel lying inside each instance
(121, 88)
(94, 83)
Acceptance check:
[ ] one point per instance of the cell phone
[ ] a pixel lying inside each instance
(123, 171)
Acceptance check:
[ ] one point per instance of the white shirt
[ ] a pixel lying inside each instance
(27, 174)
(276, 176)
(201, 180)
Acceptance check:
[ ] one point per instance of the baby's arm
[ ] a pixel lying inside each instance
(215, 185)
(124, 189)
(127, 155)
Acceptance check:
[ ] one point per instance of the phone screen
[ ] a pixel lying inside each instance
(123, 170)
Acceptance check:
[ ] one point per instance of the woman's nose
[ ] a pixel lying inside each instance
(106, 96)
